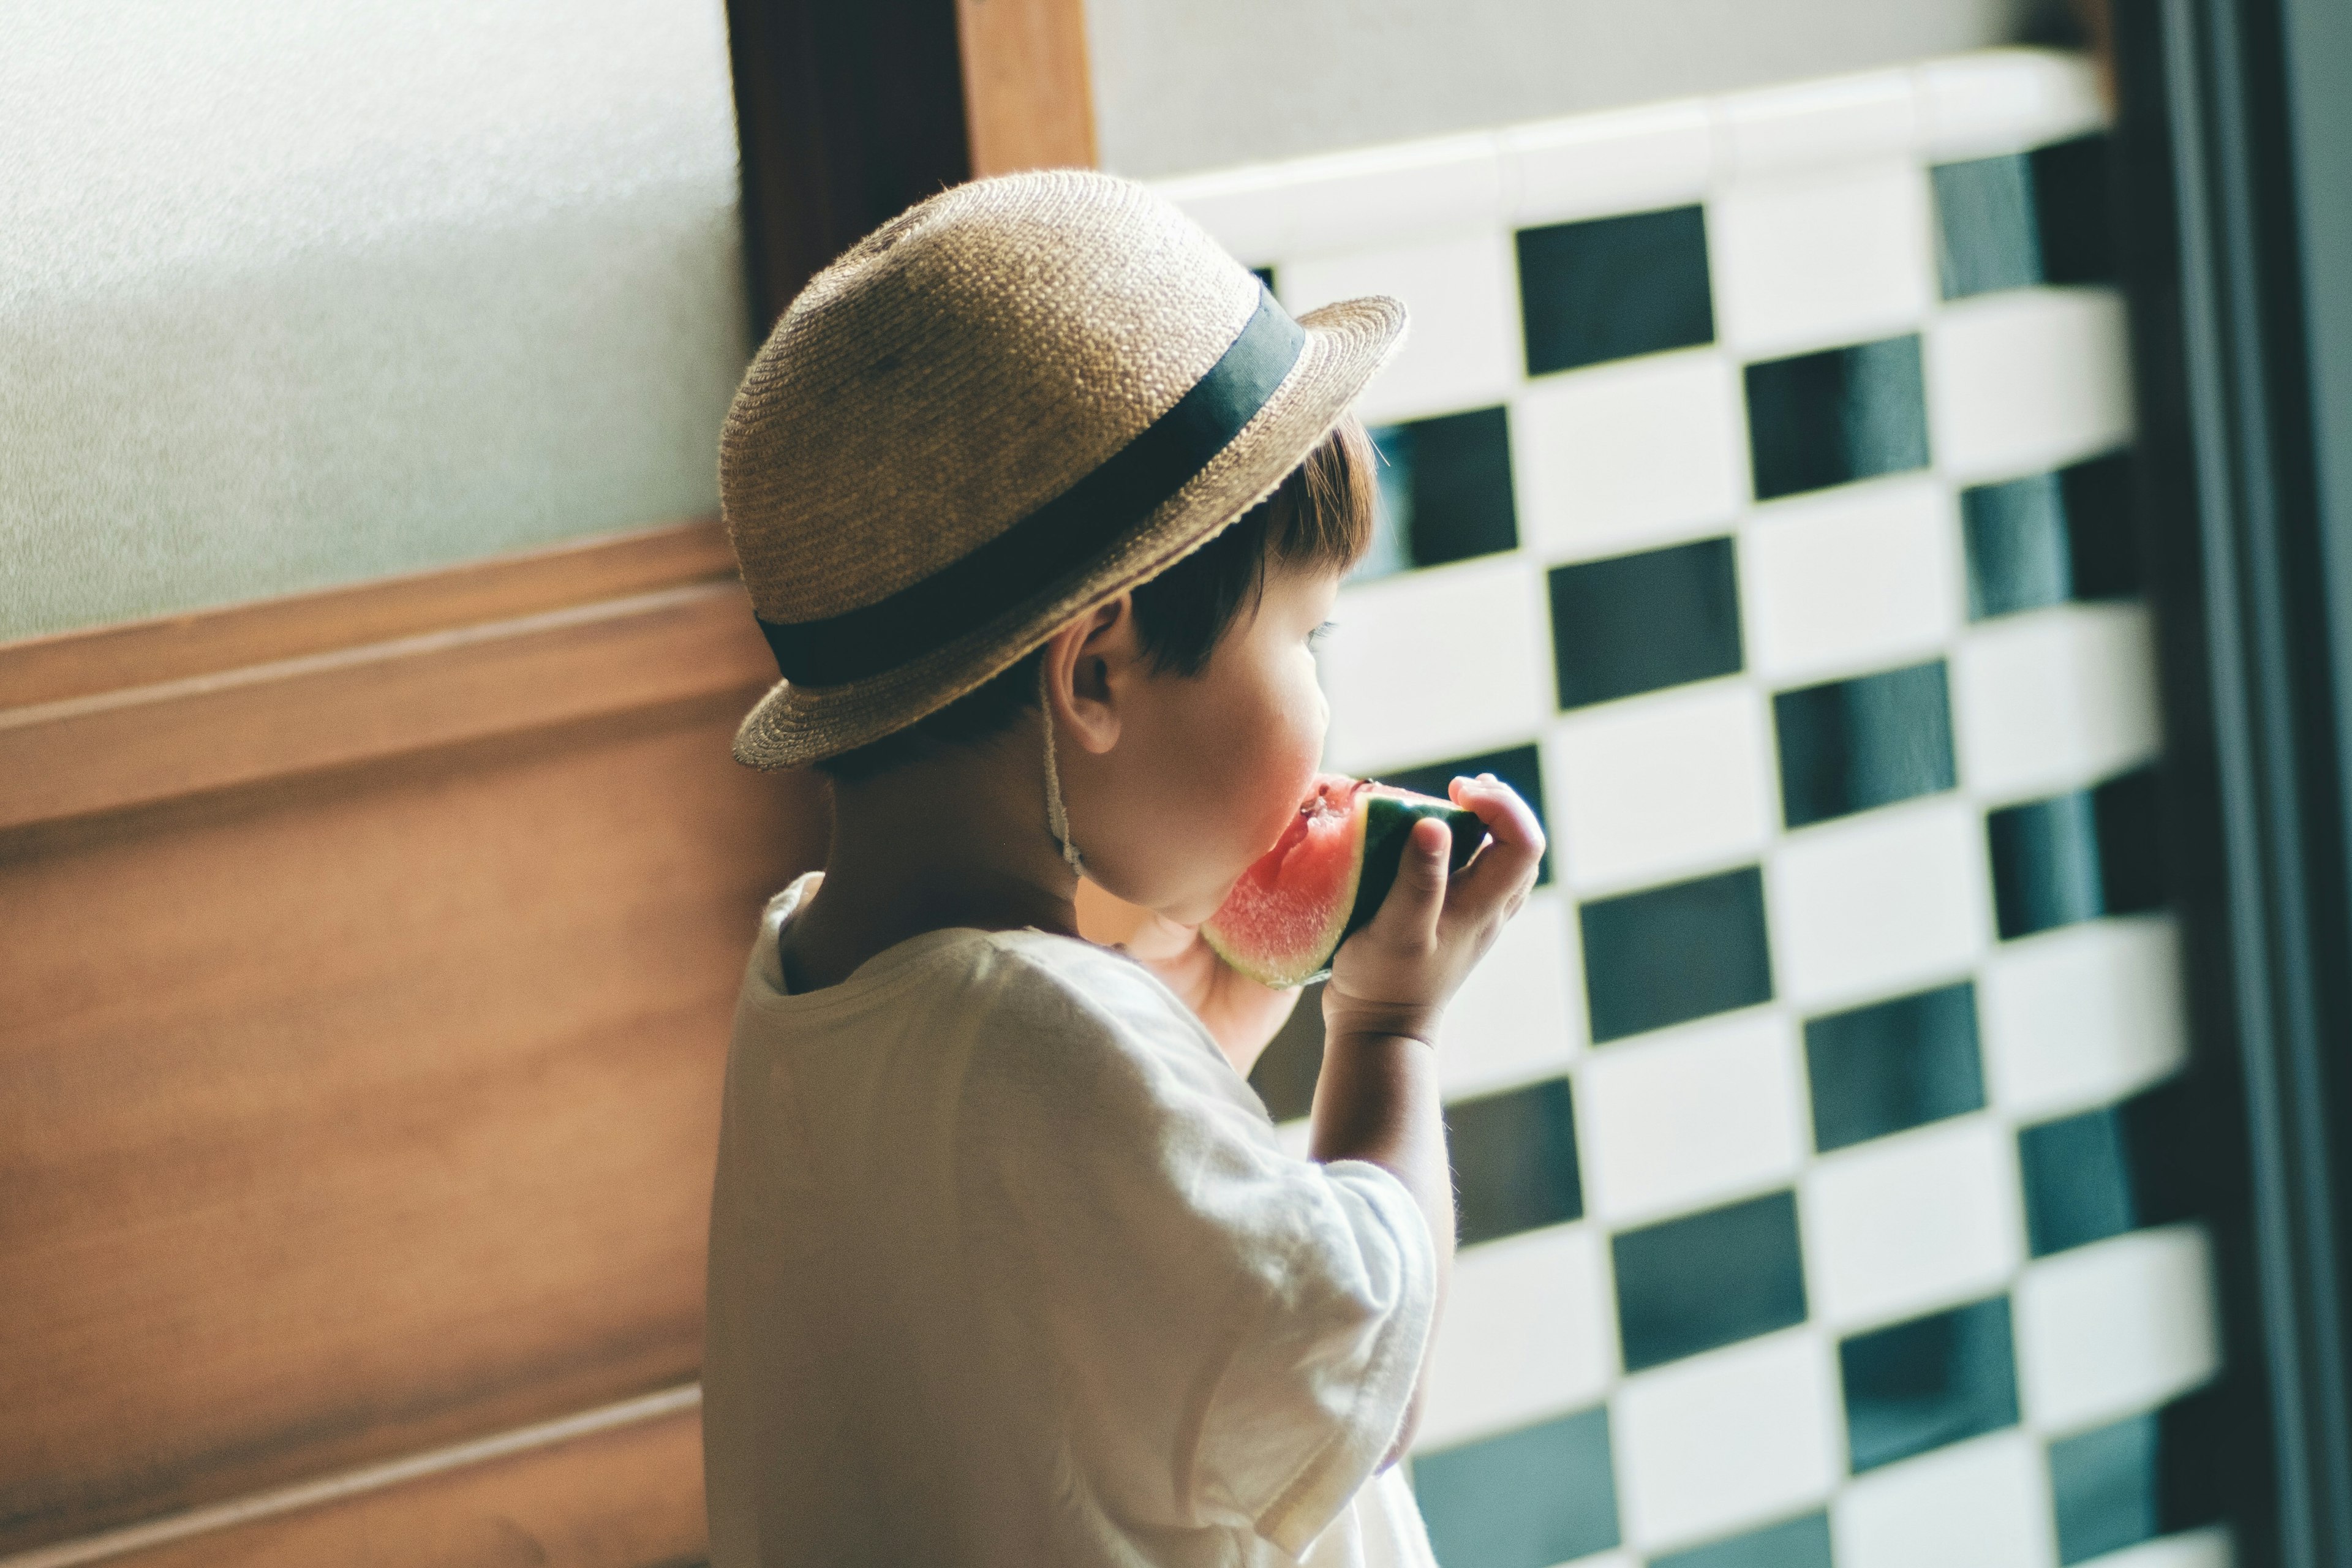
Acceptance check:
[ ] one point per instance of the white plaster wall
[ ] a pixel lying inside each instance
(1184, 85)
(294, 292)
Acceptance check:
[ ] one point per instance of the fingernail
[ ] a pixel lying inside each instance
(1488, 778)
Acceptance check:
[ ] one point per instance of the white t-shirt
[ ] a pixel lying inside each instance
(1008, 1266)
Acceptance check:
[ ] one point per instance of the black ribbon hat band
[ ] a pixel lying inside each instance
(1059, 537)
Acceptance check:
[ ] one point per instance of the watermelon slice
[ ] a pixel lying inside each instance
(1325, 877)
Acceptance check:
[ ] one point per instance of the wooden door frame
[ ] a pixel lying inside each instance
(846, 115)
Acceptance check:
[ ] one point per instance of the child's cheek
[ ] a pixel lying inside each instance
(1293, 750)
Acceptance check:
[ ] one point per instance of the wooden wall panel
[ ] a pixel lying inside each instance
(625, 1498)
(360, 1100)
(203, 642)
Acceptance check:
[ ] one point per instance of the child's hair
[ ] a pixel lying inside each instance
(1320, 516)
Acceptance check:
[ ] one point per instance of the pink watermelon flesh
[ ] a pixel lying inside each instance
(1325, 877)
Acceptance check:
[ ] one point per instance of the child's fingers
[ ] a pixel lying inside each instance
(1409, 914)
(1508, 865)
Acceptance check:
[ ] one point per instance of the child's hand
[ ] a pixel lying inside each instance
(1396, 977)
(1241, 1014)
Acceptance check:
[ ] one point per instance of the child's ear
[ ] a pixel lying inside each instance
(1086, 670)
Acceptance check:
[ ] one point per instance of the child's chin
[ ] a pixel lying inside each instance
(1193, 910)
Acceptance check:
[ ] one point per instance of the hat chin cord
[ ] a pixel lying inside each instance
(1057, 816)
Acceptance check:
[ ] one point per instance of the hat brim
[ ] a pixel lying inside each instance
(794, 725)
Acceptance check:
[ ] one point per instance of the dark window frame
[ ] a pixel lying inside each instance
(2234, 193)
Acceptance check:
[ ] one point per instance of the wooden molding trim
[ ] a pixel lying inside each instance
(620, 1488)
(148, 743)
(1027, 92)
(173, 647)
(211, 724)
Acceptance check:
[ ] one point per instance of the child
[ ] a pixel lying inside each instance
(1007, 1263)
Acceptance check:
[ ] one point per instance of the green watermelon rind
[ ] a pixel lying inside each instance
(1388, 824)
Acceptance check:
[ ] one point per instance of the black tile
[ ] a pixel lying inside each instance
(2019, 545)
(2076, 857)
(1391, 549)
(2147, 1475)
(2103, 1487)
(2077, 1178)
(1445, 491)
(1637, 623)
(1528, 1498)
(2048, 538)
(1285, 1073)
(1792, 1543)
(1827, 419)
(1666, 955)
(2101, 1172)
(1615, 287)
(1932, 1381)
(1850, 745)
(1894, 1065)
(1707, 1279)
(2070, 202)
(2024, 218)
(1521, 767)
(1514, 1161)
(1986, 235)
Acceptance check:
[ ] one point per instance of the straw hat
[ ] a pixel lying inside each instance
(1005, 406)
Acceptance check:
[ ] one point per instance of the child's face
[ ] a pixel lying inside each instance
(1209, 768)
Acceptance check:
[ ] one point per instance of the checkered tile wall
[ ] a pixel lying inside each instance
(1752, 503)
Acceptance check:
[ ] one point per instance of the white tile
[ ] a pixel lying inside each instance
(1376, 195)
(1735, 1436)
(2056, 700)
(1822, 259)
(2027, 380)
(1899, 1225)
(1850, 580)
(1624, 456)
(1528, 1331)
(1702, 1113)
(1248, 211)
(1834, 120)
(1435, 664)
(2079, 1017)
(1297, 1136)
(1984, 1504)
(1871, 904)
(1650, 787)
(1596, 165)
(2118, 1326)
(1512, 1019)
(1461, 348)
(1345, 201)
(2207, 1548)
(2004, 100)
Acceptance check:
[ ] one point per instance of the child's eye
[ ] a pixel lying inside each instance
(1314, 639)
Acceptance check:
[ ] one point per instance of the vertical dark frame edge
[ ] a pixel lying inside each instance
(2254, 628)
(845, 116)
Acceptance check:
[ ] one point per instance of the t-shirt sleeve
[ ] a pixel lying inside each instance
(1237, 1331)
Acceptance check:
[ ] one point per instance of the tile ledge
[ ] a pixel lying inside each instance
(1954, 107)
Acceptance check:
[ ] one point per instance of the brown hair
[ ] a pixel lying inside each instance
(1319, 516)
